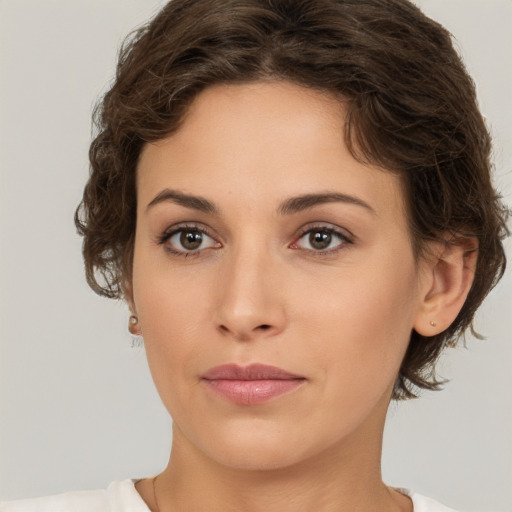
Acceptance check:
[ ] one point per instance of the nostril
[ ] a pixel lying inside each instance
(243, 333)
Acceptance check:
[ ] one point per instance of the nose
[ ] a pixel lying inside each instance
(250, 297)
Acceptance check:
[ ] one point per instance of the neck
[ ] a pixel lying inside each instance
(344, 478)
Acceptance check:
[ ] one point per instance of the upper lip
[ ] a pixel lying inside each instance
(254, 371)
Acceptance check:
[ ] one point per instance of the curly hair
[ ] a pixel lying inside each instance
(411, 109)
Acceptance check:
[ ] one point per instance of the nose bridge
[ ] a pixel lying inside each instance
(249, 299)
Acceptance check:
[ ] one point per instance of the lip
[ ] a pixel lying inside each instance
(250, 385)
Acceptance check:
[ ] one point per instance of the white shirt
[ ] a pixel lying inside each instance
(123, 497)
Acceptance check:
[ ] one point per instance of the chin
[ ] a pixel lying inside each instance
(260, 446)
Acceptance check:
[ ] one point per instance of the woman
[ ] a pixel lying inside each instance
(294, 199)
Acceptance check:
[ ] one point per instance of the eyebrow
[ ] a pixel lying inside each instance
(307, 201)
(288, 207)
(186, 200)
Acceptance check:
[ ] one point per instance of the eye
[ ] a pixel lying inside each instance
(321, 239)
(187, 240)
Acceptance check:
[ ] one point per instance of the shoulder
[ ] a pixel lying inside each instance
(78, 501)
(119, 496)
(423, 503)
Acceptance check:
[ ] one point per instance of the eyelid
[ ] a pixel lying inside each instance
(327, 226)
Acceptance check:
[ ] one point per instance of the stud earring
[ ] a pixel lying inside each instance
(432, 323)
(133, 325)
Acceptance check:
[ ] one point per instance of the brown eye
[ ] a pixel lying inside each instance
(320, 240)
(191, 240)
(185, 241)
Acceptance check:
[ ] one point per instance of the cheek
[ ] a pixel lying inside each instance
(362, 321)
(169, 317)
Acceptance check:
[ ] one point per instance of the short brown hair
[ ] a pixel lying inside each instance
(411, 109)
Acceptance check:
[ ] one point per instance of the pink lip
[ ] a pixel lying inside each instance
(250, 385)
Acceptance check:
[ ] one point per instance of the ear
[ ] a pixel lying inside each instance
(133, 323)
(449, 274)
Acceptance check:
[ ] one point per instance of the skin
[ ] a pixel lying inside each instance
(257, 290)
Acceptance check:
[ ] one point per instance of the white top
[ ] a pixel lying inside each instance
(123, 497)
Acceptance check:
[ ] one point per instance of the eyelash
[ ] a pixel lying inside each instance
(344, 238)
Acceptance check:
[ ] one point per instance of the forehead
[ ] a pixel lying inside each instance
(260, 141)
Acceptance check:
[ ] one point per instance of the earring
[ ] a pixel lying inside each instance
(432, 323)
(133, 325)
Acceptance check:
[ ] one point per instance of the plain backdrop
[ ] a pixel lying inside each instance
(78, 408)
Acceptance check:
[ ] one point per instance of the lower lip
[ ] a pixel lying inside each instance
(252, 392)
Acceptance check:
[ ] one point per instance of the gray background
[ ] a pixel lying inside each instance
(78, 408)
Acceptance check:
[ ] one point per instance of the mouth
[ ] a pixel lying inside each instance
(250, 385)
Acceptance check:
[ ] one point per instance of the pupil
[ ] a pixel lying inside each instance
(191, 239)
(320, 239)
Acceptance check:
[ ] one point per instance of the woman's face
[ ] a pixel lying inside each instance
(261, 241)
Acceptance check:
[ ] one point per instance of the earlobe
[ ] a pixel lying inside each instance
(133, 326)
(133, 322)
(449, 276)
